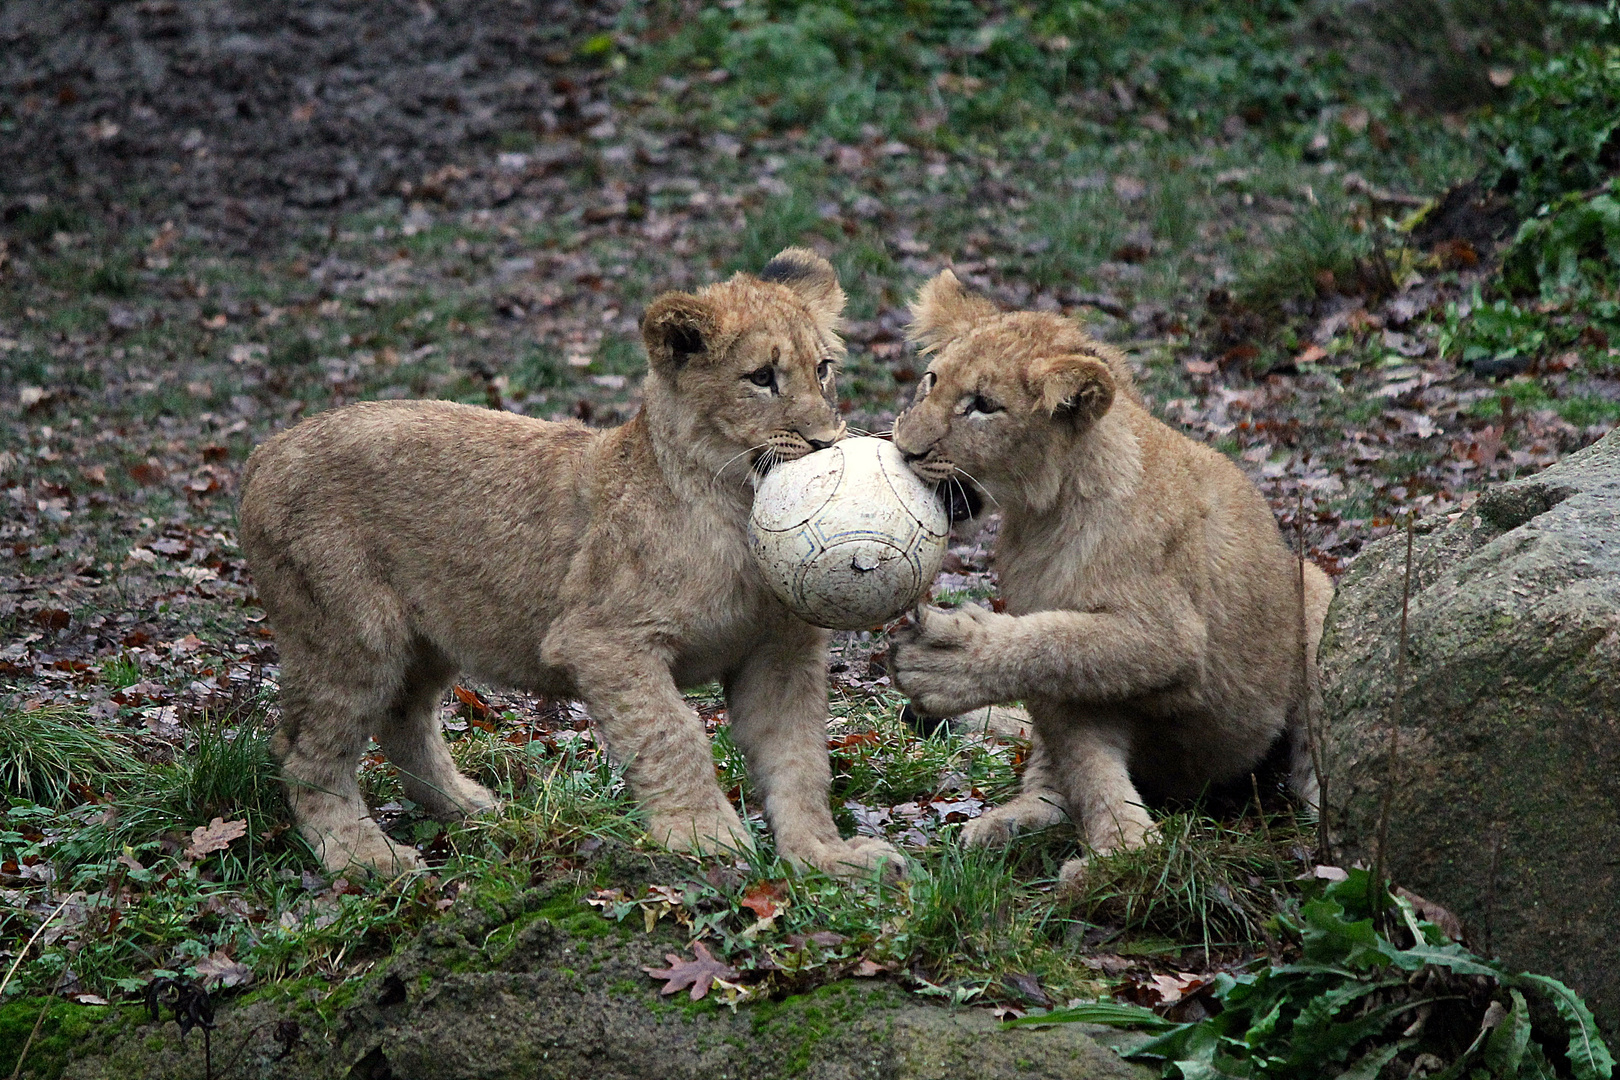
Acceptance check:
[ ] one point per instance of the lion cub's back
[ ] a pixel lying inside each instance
(416, 491)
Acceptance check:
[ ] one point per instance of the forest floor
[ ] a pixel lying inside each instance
(222, 218)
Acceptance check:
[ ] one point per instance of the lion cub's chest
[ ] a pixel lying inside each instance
(1062, 561)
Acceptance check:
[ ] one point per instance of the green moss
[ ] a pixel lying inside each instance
(628, 988)
(64, 1027)
(800, 1023)
(566, 912)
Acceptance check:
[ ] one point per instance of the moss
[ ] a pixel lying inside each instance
(65, 1027)
(568, 914)
(801, 1022)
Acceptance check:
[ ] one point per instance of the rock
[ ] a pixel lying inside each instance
(1506, 797)
(543, 987)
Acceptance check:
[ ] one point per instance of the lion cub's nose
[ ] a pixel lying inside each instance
(821, 443)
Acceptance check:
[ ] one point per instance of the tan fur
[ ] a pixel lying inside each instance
(395, 544)
(1153, 612)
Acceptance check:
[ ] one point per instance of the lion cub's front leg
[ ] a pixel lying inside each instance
(777, 702)
(947, 662)
(655, 735)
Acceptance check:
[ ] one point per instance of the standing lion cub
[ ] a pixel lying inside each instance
(395, 544)
(1154, 614)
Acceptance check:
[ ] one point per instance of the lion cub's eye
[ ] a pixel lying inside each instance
(824, 370)
(765, 376)
(982, 404)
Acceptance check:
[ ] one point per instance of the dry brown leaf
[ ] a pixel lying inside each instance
(215, 836)
(699, 973)
(765, 898)
(219, 972)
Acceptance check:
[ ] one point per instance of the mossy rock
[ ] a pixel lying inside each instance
(524, 989)
(1506, 795)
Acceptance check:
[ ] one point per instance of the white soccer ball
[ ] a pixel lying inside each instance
(848, 537)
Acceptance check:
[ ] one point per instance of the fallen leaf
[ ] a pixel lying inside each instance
(219, 971)
(866, 969)
(215, 836)
(1433, 912)
(765, 898)
(479, 711)
(1200, 367)
(1107, 963)
(1311, 355)
(1129, 188)
(698, 973)
(147, 473)
(1028, 987)
(52, 618)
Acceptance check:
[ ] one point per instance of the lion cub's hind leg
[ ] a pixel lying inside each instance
(1038, 805)
(411, 737)
(1091, 764)
(326, 723)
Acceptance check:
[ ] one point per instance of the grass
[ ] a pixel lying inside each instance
(115, 831)
(52, 756)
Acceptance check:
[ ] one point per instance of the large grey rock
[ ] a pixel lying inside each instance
(1506, 795)
(541, 988)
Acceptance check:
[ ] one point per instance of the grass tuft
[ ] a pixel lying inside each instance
(52, 755)
(1203, 881)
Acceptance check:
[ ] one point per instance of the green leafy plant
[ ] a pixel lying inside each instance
(1571, 246)
(1498, 330)
(1359, 999)
(1560, 132)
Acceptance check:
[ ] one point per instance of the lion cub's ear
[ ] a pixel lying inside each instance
(811, 277)
(943, 309)
(1074, 388)
(677, 327)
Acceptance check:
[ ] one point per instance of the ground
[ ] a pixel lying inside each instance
(221, 218)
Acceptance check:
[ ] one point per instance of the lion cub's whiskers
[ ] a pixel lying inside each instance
(976, 483)
(715, 479)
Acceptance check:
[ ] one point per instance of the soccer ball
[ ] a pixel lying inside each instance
(848, 537)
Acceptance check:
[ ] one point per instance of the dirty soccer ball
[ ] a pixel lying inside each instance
(848, 537)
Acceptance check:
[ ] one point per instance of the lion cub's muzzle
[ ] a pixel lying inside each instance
(931, 466)
(791, 446)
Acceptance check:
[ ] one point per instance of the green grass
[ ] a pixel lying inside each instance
(963, 918)
(53, 756)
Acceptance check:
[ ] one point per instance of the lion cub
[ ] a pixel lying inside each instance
(1153, 612)
(395, 544)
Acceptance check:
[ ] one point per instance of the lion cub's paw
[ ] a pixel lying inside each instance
(937, 662)
(1072, 875)
(857, 857)
(702, 834)
(993, 828)
(361, 844)
(474, 798)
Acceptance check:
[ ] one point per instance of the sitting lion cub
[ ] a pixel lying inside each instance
(1153, 612)
(396, 544)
